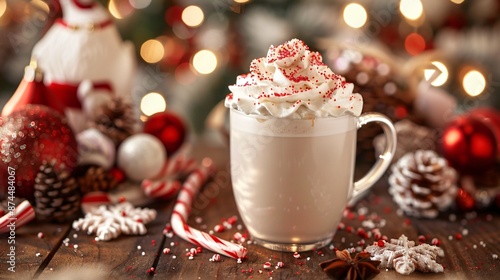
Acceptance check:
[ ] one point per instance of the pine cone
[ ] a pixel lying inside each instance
(423, 184)
(96, 179)
(116, 120)
(57, 197)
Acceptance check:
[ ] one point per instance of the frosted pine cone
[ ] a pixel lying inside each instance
(423, 184)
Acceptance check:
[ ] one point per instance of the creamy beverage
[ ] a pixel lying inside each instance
(293, 126)
(292, 178)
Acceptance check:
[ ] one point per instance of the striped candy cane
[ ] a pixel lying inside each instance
(166, 185)
(23, 214)
(181, 211)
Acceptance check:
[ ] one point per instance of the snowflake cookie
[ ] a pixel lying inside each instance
(108, 222)
(402, 255)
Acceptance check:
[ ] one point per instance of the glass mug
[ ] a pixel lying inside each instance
(293, 178)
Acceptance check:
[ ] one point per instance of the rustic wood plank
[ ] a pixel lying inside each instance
(119, 257)
(32, 252)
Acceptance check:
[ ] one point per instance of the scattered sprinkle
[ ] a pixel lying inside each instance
(296, 255)
(40, 235)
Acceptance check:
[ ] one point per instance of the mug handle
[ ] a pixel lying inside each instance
(383, 161)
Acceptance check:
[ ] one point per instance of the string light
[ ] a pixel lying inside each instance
(474, 83)
(204, 62)
(355, 15)
(411, 9)
(3, 7)
(38, 3)
(120, 9)
(152, 51)
(152, 103)
(192, 16)
(436, 79)
(414, 43)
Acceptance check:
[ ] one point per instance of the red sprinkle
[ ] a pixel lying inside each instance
(296, 255)
(421, 239)
(458, 236)
(267, 265)
(435, 242)
(381, 243)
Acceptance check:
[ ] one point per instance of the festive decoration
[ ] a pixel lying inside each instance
(31, 137)
(402, 255)
(166, 185)
(411, 137)
(108, 222)
(97, 179)
(31, 90)
(116, 120)
(181, 211)
(345, 267)
(57, 196)
(94, 200)
(384, 87)
(469, 145)
(93, 98)
(85, 45)
(465, 201)
(141, 156)
(423, 184)
(491, 118)
(95, 148)
(169, 128)
(22, 215)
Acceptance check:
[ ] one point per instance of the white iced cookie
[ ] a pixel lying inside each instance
(292, 81)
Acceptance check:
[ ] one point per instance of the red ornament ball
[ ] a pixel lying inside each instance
(469, 145)
(30, 137)
(491, 118)
(168, 128)
(465, 201)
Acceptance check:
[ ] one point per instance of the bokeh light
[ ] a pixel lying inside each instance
(204, 62)
(37, 3)
(3, 7)
(152, 51)
(414, 43)
(140, 4)
(152, 103)
(192, 16)
(120, 9)
(241, 1)
(457, 1)
(355, 15)
(411, 9)
(474, 83)
(435, 78)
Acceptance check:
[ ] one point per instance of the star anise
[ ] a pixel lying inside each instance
(361, 267)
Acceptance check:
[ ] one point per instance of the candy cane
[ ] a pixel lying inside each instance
(161, 189)
(23, 214)
(165, 186)
(181, 211)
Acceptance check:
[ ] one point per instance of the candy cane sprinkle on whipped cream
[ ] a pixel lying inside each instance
(293, 82)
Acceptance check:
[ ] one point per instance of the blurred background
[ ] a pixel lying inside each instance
(417, 59)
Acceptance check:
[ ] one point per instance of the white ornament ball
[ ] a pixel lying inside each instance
(95, 148)
(141, 156)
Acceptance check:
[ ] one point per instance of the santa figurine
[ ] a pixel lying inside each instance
(84, 45)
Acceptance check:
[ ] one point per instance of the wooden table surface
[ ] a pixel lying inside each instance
(55, 256)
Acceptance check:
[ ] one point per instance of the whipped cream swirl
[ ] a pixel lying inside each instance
(293, 82)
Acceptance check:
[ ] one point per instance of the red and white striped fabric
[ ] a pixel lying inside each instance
(22, 215)
(181, 211)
